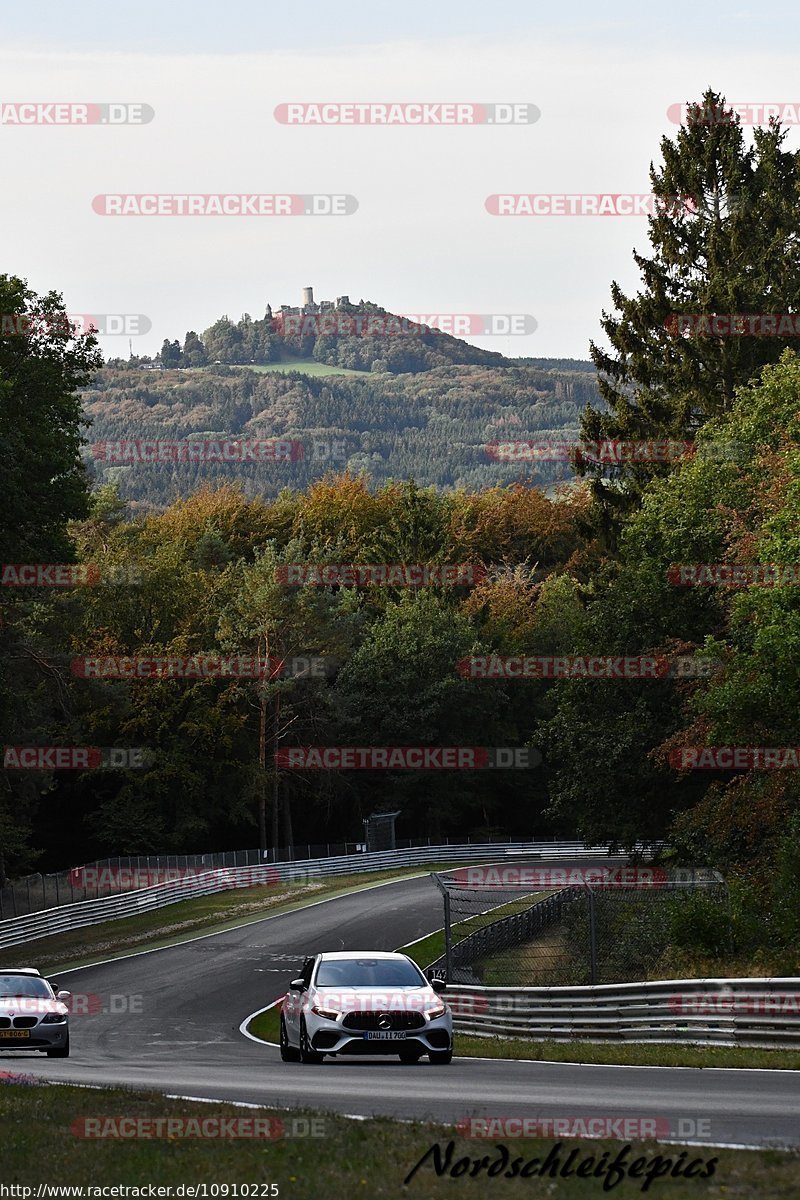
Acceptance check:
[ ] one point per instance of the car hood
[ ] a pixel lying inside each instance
(30, 1006)
(377, 999)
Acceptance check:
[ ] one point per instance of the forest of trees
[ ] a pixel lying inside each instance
(586, 571)
(247, 341)
(433, 425)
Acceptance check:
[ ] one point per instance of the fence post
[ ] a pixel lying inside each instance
(592, 936)
(448, 940)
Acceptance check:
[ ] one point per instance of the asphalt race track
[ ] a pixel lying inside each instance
(191, 999)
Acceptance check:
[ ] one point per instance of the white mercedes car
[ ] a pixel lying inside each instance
(33, 1013)
(365, 1003)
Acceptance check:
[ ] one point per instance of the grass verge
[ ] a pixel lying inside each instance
(266, 1026)
(201, 914)
(346, 1159)
(304, 366)
(630, 1054)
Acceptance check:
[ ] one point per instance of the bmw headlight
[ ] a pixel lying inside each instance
(54, 1019)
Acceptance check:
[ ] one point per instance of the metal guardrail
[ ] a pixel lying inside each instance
(105, 877)
(48, 922)
(711, 1012)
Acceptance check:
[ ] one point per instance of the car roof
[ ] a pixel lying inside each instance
(383, 954)
(19, 971)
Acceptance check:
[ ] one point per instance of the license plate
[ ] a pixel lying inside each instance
(384, 1035)
(15, 1033)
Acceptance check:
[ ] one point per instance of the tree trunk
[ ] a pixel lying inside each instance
(262, 761)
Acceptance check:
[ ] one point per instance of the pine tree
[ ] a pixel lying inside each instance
(725, 241)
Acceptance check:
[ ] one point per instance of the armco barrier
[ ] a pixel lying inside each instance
(710, 1012)
(104, 878)
(46, 923)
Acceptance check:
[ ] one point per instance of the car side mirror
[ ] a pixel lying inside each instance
(64, 996)
(297, 985)
(439, 986)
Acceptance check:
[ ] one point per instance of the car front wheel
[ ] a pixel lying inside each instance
(441, 1058)
(60, 1051)
(288, 1053)
(307, 1055)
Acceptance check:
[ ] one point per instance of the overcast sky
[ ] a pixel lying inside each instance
(421, 241)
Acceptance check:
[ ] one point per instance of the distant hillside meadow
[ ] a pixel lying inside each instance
(426, 406)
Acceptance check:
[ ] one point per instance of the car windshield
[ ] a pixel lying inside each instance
(24, 985)
(368, 972)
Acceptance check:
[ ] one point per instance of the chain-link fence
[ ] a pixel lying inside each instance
(531, 927)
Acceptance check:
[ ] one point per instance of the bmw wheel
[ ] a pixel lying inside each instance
(60, 1051)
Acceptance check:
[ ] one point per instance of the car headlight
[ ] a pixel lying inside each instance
(328, 1013)
(437, 1011)
(54, 1019)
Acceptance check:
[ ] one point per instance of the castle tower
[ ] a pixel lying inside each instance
(308, 297)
